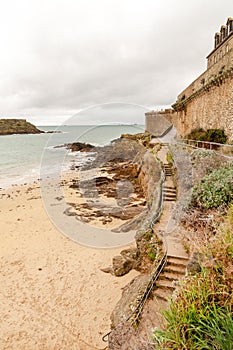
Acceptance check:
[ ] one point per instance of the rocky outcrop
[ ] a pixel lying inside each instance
(77, 146)
(149, 174)
(130, 295)
(17, 126)
(80, 147)
(109, 183)
(148, 245)
(195, 262)
(144, 138)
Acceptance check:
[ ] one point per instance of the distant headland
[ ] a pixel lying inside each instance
(17, 126)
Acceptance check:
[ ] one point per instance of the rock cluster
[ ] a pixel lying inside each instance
(113, 190)
(79, 147)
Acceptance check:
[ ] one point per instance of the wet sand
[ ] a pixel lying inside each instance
(53, 294)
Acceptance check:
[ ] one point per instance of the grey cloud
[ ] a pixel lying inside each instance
(94, 52)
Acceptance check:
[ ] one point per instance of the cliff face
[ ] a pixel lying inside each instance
(17, 126)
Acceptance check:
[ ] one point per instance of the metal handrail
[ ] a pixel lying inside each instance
(149, 288)
(195, 144)
(166, 131)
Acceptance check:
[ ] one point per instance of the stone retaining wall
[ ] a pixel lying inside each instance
(209, 108)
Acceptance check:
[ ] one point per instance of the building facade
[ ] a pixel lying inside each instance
(208, 101)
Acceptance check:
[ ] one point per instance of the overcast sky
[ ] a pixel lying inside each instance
(60, 56)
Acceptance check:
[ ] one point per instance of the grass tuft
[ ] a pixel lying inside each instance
(201, 316)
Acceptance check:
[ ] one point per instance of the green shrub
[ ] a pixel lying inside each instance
(197, 134)
(215, 189)
(210, 135)
(216, 135)
(151, 255)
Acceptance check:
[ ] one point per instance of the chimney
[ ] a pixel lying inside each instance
(216, 39)
(223, 32)
(229, 25)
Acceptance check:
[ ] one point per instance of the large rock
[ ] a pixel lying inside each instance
(80, 146)
(77, 146)
(130, 296)
(195, 262)
(121, 265)
(128, 260)
(17, 126)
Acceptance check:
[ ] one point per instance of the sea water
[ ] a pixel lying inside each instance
(23, 158)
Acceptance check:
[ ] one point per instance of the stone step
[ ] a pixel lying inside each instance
(169, 195)
(177, 261)
(169, 190)
(155, 306)
(167, 168)
(161, 294)
(152, 315)
(165, 284)
(178, 257)
(169, 199)
(169, 275)
(176, 269)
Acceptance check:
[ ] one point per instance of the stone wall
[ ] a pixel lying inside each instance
(157, 122)
(211, 107)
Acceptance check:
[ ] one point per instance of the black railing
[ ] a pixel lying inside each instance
(224, 149)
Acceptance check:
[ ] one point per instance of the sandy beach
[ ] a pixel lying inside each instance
(53, 294)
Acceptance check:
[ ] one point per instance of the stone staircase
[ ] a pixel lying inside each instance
(152, 316)
(168, 170)
(173, 271)
(139, 338)
(169, 192)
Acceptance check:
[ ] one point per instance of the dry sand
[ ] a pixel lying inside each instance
(53, 294)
